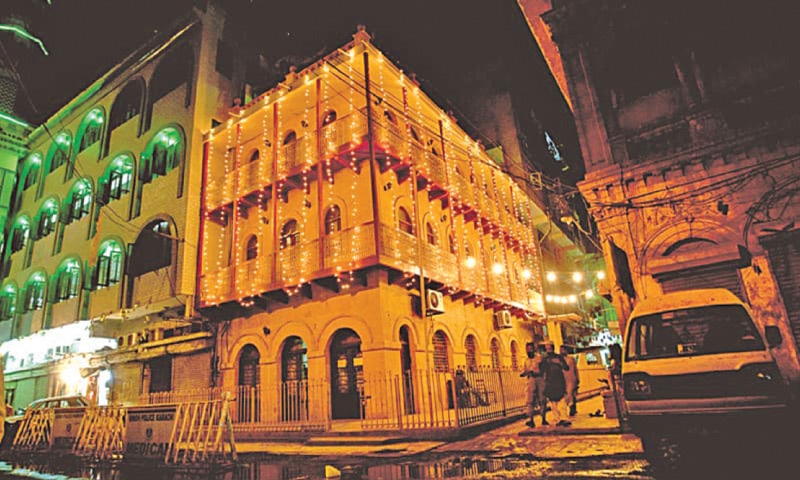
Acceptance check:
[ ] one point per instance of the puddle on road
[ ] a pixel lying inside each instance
(294, 468)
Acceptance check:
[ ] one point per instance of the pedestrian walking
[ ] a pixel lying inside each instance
(553, 367)
(536, 400)
(572, 380)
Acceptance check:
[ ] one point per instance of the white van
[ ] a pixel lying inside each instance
(693, 360)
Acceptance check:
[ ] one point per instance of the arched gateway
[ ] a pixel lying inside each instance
(347, 374)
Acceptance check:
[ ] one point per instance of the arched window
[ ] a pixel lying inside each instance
(333, 220)
(153, 248)
(79, 200)
(166, 150)
(251, 250)
(92, 129)
(20, 234)
(390, 117)
(415, 135)
(329, 117)
(32, 175)
(127, 105)
(117, 181)
(59, 151)
(48, 218)
(404, 221)
(68, 281)
(109, 264)
(471, 351)
(494, 346)
(514, 355)
(290, 137)
(289, 234)
(34, 292)
(248, 366)
(430, 234)
(441, 353)
(254, 156)
(8, 302)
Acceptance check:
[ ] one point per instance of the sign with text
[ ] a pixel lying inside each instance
(66, 423)
(149, 431)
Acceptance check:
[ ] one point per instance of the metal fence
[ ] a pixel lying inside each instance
(412, 400)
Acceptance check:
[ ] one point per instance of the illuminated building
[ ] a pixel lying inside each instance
(688, 121)
(105, 223)
(326, 199)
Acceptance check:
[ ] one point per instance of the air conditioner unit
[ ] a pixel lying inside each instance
(434, 302)
(502, 319)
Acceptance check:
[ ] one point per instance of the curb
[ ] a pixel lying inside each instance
(568, 431)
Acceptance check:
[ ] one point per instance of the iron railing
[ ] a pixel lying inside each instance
(411, 400)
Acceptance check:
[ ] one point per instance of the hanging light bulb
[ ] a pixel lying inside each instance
(601, 275)
(577, 277)
(551, 276)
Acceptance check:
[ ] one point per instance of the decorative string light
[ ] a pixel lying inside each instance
(208, 293)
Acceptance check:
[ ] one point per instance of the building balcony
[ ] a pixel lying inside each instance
(354, 249)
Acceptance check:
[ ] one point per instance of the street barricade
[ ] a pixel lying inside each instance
(101, 434)
(196, 433)
(34, 430)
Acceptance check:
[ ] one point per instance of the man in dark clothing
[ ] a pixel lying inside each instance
(553, 367)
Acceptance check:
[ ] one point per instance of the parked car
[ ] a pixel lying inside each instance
(12, 422)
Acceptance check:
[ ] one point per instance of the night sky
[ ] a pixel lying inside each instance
(445, 42)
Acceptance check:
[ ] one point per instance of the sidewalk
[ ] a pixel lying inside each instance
(587, 437)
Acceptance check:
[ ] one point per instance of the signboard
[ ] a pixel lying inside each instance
(149, 431)
(66, 423)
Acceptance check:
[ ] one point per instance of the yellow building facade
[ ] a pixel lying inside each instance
(105, 226)
(326, 200)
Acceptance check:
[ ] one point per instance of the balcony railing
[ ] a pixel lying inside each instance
(299, 153)
(252, 176)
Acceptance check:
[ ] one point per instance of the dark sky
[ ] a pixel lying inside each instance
(442, 41)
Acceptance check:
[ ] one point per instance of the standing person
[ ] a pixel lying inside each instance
(572, 380)
(553, 367)
(535, 392)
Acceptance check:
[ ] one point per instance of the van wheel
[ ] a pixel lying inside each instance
(665, 453)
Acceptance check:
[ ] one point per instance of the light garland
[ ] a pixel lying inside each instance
(505, 233)
(237, 206)
(210, 297)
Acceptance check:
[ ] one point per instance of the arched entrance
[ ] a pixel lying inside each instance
(294, 380)
(406, 365)
(248, 405)
(347, 374)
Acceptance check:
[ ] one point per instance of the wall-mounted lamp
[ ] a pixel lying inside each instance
(266, 331)
(387, 187)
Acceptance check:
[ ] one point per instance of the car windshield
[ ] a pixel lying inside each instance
(693, 331)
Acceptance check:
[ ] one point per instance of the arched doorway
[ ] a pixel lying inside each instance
(347, 374)
(406, 365)
(294, 380)
(248, 404)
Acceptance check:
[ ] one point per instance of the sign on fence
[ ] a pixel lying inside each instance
(149, 432)
(66, 423)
